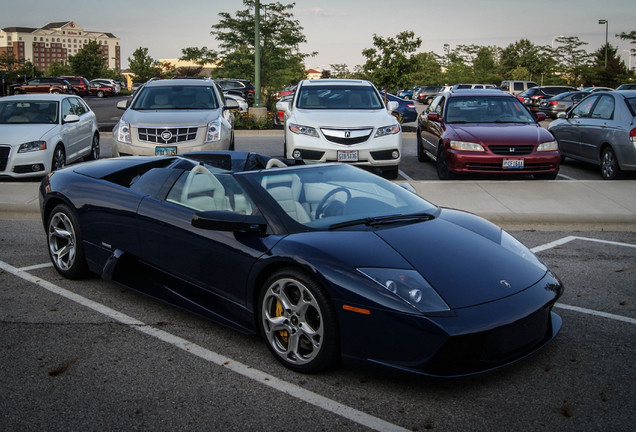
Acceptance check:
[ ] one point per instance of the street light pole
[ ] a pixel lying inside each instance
(553, 39)
(629, 57)
(602, 21)
(257, 54)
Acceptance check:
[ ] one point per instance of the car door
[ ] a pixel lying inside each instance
(84, 128)
(431, 130)
(597, 128)
(71, 132)
(568, 133)
(216, 262)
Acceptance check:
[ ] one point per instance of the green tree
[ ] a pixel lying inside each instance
(573, 60)
(89, 61)
(391, 60)
(60, 69)
(142, 66)
(613, 75)
(524, 54)
(280, 34)
(199, 56)
(340, 70)
(427, 70)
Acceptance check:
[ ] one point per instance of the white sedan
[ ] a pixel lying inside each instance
(41, 133)
(336, 120)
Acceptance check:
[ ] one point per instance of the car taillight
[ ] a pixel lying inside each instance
(520, 98)
(410, 105)
(553, 103)
(632, 135)
(250, 91)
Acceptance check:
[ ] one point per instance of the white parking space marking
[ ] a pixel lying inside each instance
(290, 389)
(405, 176)
(568, 239)
(566, 177)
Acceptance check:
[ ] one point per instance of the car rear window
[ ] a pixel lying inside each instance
(176, 97)
(338, 97)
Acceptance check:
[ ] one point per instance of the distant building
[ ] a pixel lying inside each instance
(56, 42)
(205, 70)
(314, 74)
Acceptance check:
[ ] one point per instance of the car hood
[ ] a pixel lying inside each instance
(170, 117)
(343, 118)
(462, 257)
(502, 133)
(20, 133)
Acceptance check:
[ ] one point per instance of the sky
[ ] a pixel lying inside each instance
(340, 29)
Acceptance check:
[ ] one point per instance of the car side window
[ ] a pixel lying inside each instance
(583, 109)
(604, 109)
(67, 108)
(77, 107)
(433, 108)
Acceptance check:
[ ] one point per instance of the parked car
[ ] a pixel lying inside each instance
(279, 118)
(595, 89)
(338, 120)
(325, 262)
(516, 87)
(561, 103)
(485, 132)
(600, 130)
(166, 117)
(405, 112)
(426, 94)
(473, 86)
(239, 87)
(79, 85)
(42, 133)
(242, 103)
(407, 93)
(290, 89)
(108, 81)
(626, 87)
(42, 85)
(100, 89)
(533, 97)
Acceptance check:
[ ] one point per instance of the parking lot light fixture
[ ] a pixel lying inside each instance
(602, 21)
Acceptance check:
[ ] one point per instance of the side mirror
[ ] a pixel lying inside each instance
(392, 106)
(71, 118)
(231, 104)
(282, 106)
(539, 116)
(220, 220)
(433, 117)
(123, 104)
(562, 115)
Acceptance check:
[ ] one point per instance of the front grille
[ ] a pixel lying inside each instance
(4, 157)
(511, 150)
(473, 166)
(347, 136)
(167, 135)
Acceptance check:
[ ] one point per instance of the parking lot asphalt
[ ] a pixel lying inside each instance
(541, 205)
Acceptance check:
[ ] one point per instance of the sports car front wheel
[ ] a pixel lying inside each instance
(65, 243)
(298, 321)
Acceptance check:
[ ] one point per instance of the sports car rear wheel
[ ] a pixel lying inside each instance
(65, 243)
(298, 321)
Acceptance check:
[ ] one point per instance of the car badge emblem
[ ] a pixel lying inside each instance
(166, 135)
(347, 134)
(505, 283)
(512, 149)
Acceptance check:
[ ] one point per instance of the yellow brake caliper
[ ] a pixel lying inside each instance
(279, 312)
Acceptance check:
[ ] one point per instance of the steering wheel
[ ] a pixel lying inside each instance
(320, 210)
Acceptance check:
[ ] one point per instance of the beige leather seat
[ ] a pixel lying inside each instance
(286, 190)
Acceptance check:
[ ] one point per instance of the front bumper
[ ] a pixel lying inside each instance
(484, 162)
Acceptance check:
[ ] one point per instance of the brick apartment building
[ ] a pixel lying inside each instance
(55, 42)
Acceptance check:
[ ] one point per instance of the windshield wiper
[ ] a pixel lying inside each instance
(380, 220)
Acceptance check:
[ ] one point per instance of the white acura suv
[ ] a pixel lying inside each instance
(338, 120)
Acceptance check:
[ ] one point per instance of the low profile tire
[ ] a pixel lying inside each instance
(59, 158)
(95, 149)
(64, 240)
(609, 165)
(298, 321)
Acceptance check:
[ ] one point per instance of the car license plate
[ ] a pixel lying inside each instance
(347, 155)
(513, 164)
(165, 151)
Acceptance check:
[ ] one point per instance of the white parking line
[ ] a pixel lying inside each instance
(568, 239)
(293, 390)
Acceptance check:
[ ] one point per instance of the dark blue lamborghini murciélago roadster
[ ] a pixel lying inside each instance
(326, 261)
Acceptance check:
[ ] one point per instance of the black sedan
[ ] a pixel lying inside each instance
(561, 103)
(533, 97)
(325, 261)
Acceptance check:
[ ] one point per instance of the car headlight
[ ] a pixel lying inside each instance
(387, 130)
(548, 146)
(303, 130)
(466, 146)
(32, 146)
(515, 246)
(123, 132)
(409, 286)
(214, 131)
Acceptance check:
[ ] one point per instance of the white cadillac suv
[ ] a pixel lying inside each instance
(338, 120)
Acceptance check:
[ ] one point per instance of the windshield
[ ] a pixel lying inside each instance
(485, 109)
(177, 97)
(28, 111)
(338, 97)
(322, 198)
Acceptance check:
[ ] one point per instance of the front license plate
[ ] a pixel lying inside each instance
(165, 151)
(347, 155)
(513, 164)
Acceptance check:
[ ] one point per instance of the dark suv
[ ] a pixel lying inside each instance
(78, 84)
(533, 96)
(238, 87)
(42, 85)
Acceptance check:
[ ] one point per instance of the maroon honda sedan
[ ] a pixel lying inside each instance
(485, 132)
